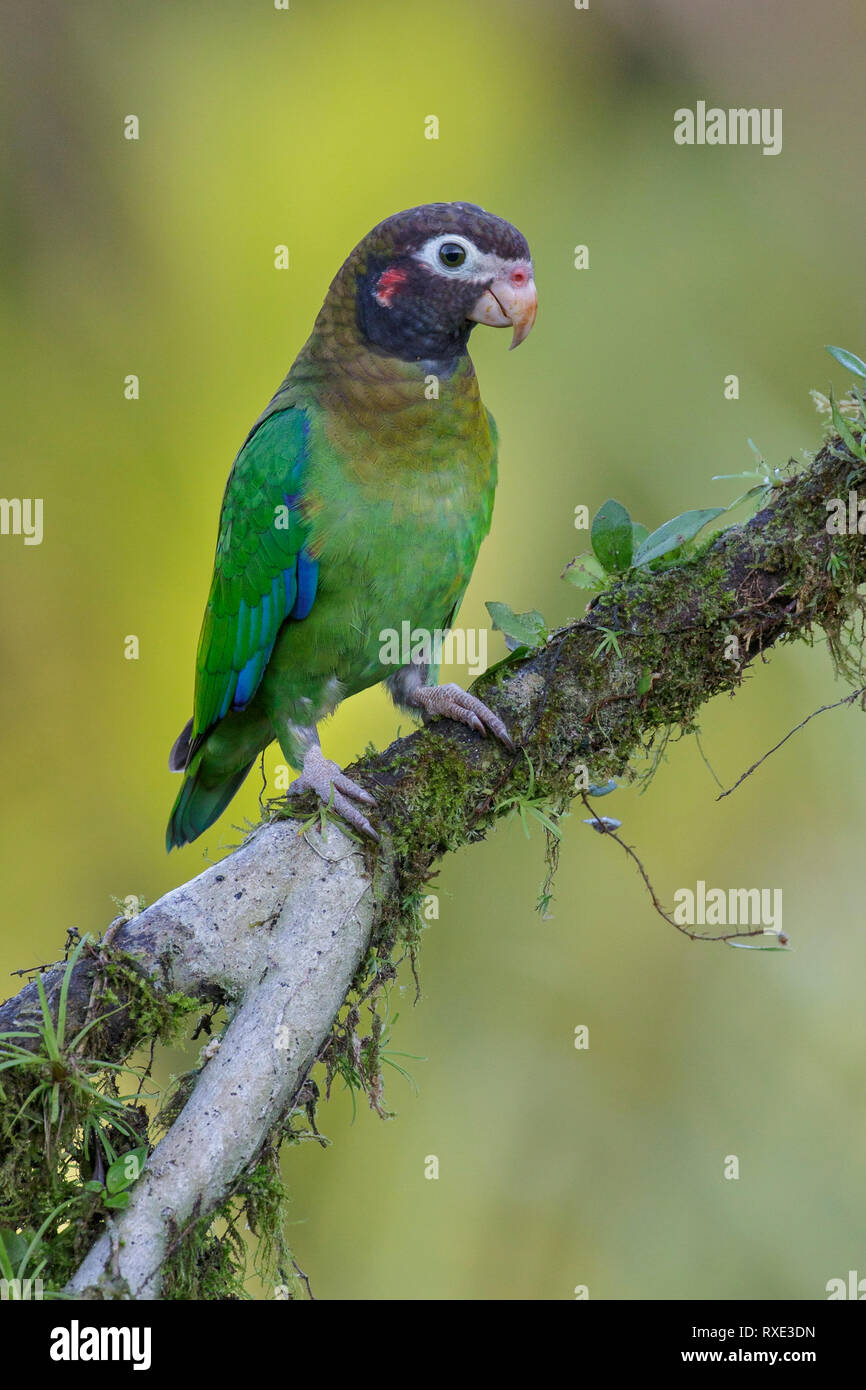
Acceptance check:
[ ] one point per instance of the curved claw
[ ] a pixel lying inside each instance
(334, 788)
(452, 702)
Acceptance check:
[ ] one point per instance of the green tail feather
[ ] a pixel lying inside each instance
(199, 803)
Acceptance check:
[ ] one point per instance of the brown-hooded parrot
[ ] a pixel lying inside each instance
(358, 501)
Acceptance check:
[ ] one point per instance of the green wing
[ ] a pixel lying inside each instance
(262, 573)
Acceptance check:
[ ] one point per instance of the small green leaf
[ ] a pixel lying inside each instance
(724, 477)
(93, 1186)
(524, 629)
(848, 360)
(546, 822)
(758, 455)
(752, 492)
(585, 572)
(675, 533)
(15, 1245)
(125, 1169)
(517, 654)
(611, 536)
(646, 680)
(118, 1201)
(843, 429)
(639, 534)
(609, 643)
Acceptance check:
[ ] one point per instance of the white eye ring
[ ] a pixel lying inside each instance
(430, 256)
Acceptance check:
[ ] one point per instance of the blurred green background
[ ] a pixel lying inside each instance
(557, 1167)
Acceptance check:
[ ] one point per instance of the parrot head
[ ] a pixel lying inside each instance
(423, 278)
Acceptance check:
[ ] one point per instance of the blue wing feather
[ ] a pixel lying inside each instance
(263, 575)
(307, 578)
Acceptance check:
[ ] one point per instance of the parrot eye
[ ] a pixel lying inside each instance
(451, 254)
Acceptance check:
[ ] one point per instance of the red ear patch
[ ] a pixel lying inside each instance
(389, 283)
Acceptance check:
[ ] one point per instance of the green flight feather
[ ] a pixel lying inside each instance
(255, 581)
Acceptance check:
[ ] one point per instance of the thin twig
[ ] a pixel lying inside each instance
(305, 1280)
(604, 829)
(846, 700)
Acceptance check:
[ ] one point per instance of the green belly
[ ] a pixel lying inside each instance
(396, 535)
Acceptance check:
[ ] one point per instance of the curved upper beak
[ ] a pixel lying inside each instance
(512, 300)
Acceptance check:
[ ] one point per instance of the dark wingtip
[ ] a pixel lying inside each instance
(179, 755)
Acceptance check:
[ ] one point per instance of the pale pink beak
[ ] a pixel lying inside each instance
(512, 300)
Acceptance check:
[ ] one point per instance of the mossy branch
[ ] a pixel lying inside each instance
(283, 929)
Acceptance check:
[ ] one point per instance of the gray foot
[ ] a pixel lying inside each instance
(334, 788)
(451, 702)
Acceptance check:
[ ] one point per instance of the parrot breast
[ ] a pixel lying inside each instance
(398, 498)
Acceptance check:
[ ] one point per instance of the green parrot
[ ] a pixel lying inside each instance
(358, 501)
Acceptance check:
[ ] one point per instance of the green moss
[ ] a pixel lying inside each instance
(435, 797)
(152, 1012)
(210, 1259)
(64, 1122)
